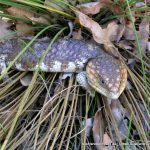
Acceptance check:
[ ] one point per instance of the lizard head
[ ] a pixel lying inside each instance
(107, 76)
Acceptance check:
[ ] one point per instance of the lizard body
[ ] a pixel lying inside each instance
(105, 74)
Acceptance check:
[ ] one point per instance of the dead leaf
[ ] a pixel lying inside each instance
(77, 35)
(111, 6)
(25, 29)
(111, 31)
(129, 32)
(96, 128)
(124, 44)
(94, 27)
(131, 63)
(129, 28)
(114, 31)
(90, 8)
(123, 129)
(20, 12)
(100, 35)
(119, 113)
(94, 7)
(40, 18)
(106, 139)
(25, 81)
(144, 33)
(116, 110)
(148, 46)
(145, 114)
(99, 136)
(89, 124)
(4, 28)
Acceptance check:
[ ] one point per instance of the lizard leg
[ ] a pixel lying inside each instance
(81, 78)
(65, 75)
(3, 67)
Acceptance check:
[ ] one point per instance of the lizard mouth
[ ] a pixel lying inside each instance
(113, 95)
(106, 92)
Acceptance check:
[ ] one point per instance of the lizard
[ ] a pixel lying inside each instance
(94, 67)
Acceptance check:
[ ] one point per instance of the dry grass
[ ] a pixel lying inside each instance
(50, 114)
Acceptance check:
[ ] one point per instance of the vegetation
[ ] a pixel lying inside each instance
(53, 114)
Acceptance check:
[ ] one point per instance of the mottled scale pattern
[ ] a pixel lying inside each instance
(107, 75)
(107, 71)
(64, 56)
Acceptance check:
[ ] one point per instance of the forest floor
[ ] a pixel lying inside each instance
(40, 111)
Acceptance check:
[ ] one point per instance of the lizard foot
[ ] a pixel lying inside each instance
(82, 80)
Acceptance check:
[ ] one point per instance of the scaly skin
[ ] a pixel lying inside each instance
(105, 74)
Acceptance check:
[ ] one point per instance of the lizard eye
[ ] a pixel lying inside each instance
(102, 82)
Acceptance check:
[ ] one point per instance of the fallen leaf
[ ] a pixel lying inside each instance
(77, 35)
(129, 28)
(114, 31)
(4, 28)
(148, 46)
(25, 29)
(106, 139)
(114, 7)
(145, 114)
(112, 50)
(89, 125)
(117, 110)
(94, 27)
(94, 7)
(90, 8)
(100, 138)
(20, 12)
(100, 35)
(40, 18)
(124, 44)
(119, 113)
(129, 32)
(25, 81)
(144, 33)
(131, 63)
(123, 129)
(96, 128)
